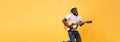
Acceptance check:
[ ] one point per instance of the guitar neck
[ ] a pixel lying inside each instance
(87, 22)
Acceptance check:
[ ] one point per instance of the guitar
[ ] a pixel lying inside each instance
(75, 24)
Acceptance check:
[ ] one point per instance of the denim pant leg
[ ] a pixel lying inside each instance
(77, 36)
(71, 36)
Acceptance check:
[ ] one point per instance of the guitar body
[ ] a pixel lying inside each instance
(74, 24)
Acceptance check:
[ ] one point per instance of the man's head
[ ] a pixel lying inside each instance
(74, 11)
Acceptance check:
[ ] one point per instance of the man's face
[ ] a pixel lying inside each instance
(75, 12)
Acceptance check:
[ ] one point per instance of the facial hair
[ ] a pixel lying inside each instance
(76, 14)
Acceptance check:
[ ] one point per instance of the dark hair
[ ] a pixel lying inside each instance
(73, 9)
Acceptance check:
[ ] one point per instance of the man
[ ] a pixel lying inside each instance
(72, 31)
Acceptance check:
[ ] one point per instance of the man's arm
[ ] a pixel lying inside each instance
(66, 24)
(81, 23)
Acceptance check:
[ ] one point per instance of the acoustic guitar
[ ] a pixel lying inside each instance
(75, 24)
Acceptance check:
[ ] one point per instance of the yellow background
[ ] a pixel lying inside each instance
(40, 20)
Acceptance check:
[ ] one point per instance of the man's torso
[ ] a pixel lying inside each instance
(72, 18)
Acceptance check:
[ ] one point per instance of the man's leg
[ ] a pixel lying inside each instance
(71, 36)
(77, 36)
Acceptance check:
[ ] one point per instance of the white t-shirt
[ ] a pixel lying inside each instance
(72, 18)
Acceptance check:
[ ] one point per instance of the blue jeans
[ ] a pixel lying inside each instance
(74, 35)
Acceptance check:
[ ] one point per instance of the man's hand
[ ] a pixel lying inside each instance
(81, 23)
(66, 24)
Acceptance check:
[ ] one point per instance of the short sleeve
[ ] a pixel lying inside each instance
(68, 16)
(80, 18)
